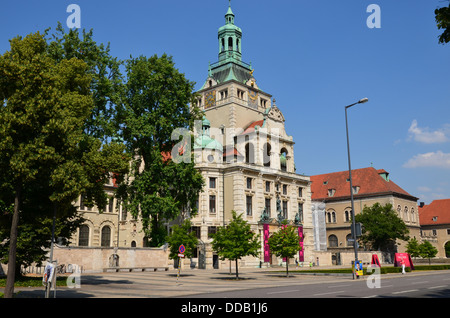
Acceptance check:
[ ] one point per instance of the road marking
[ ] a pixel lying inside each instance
(434, 287)
(406, 291)
(373, 296)
(338, 286)
(285, 291)
(423, 282)
(337, 292)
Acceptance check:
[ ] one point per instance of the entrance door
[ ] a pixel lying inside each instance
(216, 261)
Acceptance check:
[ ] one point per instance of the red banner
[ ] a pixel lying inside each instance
(301, 255)
(375, 260)
(403, 258)
(266, 244)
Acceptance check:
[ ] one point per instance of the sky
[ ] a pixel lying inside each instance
(314, 58)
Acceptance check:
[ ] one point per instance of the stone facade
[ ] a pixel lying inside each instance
(370, 186)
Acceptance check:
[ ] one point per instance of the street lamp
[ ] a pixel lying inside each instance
(361, 101)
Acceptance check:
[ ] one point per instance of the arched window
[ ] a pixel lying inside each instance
(347, 215)
(331, 217)
(249, 153)
(349, 240)
(83, 238)
(332, 241)
(230, 43)
(237, 45)
(223, 45)
(106, 236)
(266, 156)
(406, 217)
(283, 159)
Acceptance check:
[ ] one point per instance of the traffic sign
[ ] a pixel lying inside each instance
(181, 249)
(181, 255)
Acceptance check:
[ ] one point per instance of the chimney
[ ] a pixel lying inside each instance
(422, 204)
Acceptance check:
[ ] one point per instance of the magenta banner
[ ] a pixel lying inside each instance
(301, 255)
(266, 244)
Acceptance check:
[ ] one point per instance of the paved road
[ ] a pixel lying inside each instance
(254, 283)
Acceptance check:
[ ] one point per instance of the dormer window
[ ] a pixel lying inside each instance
(331, 192)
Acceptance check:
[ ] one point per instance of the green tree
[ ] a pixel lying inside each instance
(427, 250)
(235, 240)
(413, 247)
(442, 16)
(43, 108)
(157, 102)
(182, 235)
(381, 227)
(46, 157)
(285, 243)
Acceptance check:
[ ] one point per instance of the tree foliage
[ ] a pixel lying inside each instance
(443, 23)
(235, 240)
(47, 156)
(413, 247)
(285, 243)
(381, 227)
(157, 101)
(427, 250)
(182, 235)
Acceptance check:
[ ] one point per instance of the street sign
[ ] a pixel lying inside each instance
(181, 255)
(181, 249)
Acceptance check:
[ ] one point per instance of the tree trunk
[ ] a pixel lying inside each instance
(287, 267)
(237, 272)
(9, 288)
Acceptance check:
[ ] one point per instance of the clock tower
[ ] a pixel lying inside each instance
(245, 155)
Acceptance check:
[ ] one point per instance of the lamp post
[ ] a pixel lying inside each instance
(361, 101)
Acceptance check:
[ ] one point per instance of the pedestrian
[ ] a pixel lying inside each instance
(402, 262)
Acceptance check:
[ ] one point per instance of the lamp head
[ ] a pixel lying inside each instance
(364, 100)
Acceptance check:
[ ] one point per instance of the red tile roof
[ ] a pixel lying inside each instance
(438, 209)
(251, 127)
(369, 181)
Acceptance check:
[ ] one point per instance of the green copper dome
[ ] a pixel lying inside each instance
(204, 141)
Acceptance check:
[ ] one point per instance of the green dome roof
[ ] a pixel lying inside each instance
(206, 142)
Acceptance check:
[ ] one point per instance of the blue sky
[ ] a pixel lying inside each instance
(314, 57)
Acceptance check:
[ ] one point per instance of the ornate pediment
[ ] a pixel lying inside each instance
(275, 114)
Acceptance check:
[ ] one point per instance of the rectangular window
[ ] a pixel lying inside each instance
(211, 230)
(124, 212)
(249, 183)
(212, 183)
(212, 204)
(267, 186)
(267, 205)
(285, 209)
(82, 202)
(196, 230)
(111, 205)
(300, 212)
(284, 189)
(249, 205)
(300, 192)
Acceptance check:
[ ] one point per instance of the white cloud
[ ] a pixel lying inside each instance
(424, 135)
(431, 159)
